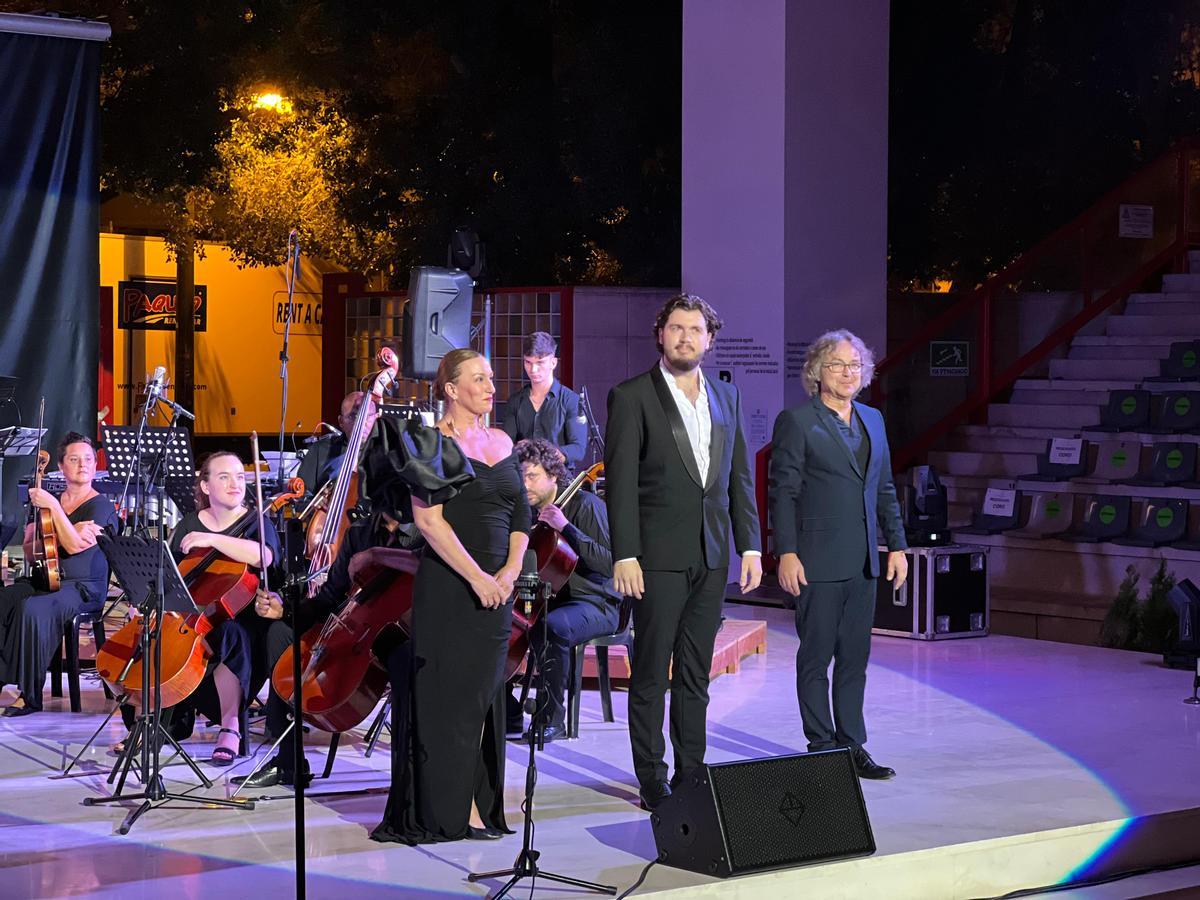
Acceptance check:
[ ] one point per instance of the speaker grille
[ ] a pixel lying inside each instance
(790, 810)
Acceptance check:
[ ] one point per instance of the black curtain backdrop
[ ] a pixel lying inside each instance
(49, 236)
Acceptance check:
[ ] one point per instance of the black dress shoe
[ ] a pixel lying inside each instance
(483, 834)
(653, 796)
(11, 712)
(868, 768)
(272, 774)
(552, 733)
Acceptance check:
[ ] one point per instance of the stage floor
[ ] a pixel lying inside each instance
(1020, 763)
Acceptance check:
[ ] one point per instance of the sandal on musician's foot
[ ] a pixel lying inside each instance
(20, 708)
(222, 755)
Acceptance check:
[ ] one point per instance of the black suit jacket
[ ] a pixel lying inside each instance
(824, 508)
(658, 510)
(559, 421)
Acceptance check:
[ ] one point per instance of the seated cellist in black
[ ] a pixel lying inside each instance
(32, 619)
(220, 502)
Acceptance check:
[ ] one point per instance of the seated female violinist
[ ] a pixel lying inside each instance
(220, 496)
(31, 619)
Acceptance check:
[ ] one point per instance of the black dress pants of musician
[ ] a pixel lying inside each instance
(678, 616)
(833, 621)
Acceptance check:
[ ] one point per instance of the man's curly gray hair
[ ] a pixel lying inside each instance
(822, 348)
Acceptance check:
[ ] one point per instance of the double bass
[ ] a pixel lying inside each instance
(46, 575)
(556, 561)
(331, 508)
(222, 586)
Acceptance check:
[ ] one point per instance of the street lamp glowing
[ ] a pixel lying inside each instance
(273, 102)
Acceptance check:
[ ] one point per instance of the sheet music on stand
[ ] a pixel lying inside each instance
(134, 563)
(16, 441)
(120, 442)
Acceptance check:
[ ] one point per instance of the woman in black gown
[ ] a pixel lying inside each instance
(31, 620)
(468, 501)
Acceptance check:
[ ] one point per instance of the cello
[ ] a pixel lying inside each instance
(45, 575)
(343, 675)
(556, 561)
(222, 586)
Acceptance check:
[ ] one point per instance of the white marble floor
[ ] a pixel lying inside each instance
(994, 740)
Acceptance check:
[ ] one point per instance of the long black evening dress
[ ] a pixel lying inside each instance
(31, 621)
(448, 720)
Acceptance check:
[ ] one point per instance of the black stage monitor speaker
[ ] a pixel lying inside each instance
(762, 814)
(437, 318)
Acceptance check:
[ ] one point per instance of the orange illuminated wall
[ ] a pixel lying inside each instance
(237, 357)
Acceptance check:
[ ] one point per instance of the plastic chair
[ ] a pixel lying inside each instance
(1125, 411)
(623, 636)
(1176, 412)
(1105, 517)
(985, 523)
(1052, 471)
(70, 639)
(1182, 363)
(1162, 521)
(1115, 461)
(1171, 463)
(1050, 514)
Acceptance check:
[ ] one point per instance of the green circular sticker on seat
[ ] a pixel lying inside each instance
(1174, 459)
(1182, 405)
(1128, 405)
(1107, 514)
(1189, 359)
(1052, 508)
(1119, 457)
(1164, 517)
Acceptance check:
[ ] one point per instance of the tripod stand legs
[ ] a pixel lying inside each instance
(526, 867)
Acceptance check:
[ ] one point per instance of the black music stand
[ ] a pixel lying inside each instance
(145, 568)
(169, 447)
(15, 441)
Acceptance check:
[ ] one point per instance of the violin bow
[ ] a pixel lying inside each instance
(262, 534)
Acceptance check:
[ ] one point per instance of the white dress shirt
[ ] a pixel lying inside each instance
(697, 421)
(697, 418)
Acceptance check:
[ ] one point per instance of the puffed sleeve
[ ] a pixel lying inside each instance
(407, 459)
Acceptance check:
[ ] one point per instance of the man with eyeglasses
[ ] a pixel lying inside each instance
(832, 494)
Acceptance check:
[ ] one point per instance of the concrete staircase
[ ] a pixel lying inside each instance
(1054, 589)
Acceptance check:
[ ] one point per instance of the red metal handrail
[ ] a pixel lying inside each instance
(1066, 241)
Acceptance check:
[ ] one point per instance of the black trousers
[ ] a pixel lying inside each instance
(677, 617)
(567, 624)
(833, 621)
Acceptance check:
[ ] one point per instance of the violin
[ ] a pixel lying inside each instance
(222, 586)
(556, 561)
(46, 575)
(330, 516)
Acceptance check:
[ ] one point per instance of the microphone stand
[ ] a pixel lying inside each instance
(530, 589)
(595, 440)
(290, 274)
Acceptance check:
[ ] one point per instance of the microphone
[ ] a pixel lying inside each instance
(154, 387)
(528, 582)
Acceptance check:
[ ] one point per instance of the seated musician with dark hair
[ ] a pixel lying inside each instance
(32, 616)
(220, 501)
(374, 541)
(324, 456)
(587, 607)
